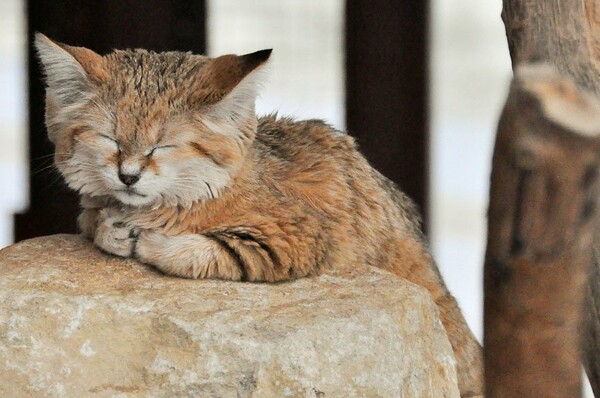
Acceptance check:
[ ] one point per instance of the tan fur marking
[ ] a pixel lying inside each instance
(152, 165)
(113, 159)
(201, 150)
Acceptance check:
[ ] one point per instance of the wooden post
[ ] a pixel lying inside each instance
(567, 35)
(386, 89)
(542, 218)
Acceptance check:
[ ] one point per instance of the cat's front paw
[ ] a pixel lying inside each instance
(113, 235)
(186, 256)
(149, 246)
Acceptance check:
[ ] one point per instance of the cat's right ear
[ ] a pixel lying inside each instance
(70, 71)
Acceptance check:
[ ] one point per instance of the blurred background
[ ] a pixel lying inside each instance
(420, 85)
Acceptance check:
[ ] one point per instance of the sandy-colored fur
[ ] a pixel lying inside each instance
(222, 194)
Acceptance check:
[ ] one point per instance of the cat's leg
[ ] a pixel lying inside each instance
(188, 256)
(234, 254)
(113, 235)
(413, 262)
(87, 222)
(89, 218)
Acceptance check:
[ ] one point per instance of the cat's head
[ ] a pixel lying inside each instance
(149, 128)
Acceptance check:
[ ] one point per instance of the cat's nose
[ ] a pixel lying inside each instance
(129, 179)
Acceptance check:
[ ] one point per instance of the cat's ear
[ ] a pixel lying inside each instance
(230, 83)
(70, 71)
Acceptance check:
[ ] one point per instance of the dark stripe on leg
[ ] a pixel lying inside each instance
(232, 252)
(247, 237)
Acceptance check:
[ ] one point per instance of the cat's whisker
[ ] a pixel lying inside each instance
(48, 156)
(50, 168)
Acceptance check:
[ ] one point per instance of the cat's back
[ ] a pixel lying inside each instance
(308, 160)
(313, 161)
(301, 141)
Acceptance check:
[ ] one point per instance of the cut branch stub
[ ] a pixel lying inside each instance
(542, 219)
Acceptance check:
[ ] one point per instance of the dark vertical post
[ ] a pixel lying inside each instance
(386, 89)
(100, 25)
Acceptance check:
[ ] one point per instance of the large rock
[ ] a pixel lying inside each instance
(77, 323)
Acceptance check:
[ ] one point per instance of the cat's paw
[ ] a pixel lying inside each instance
(113, 235)
(149, 246)
(186, 256)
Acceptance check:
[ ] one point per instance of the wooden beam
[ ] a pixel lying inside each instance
(542, 219)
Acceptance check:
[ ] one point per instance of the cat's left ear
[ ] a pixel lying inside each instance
(70, 71)
(231, 82)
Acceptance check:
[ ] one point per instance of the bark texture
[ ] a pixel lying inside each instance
(565, 34)
(542, 220)
(591, 328)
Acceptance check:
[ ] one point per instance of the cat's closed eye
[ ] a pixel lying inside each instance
(153, 150)
(111, 140)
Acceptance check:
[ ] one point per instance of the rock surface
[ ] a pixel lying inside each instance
(75, 322)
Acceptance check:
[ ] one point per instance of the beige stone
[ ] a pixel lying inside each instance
(78, 323)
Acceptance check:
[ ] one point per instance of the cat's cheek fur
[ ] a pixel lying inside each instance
(87, 172)
(185, 182)
(188, 256)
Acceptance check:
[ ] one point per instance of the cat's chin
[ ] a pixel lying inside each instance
(133, 199)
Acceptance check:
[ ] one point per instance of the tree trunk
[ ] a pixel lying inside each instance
(591, 329)
(567, 35)
(542, 219)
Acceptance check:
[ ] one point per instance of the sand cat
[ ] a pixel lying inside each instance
(175, 169)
